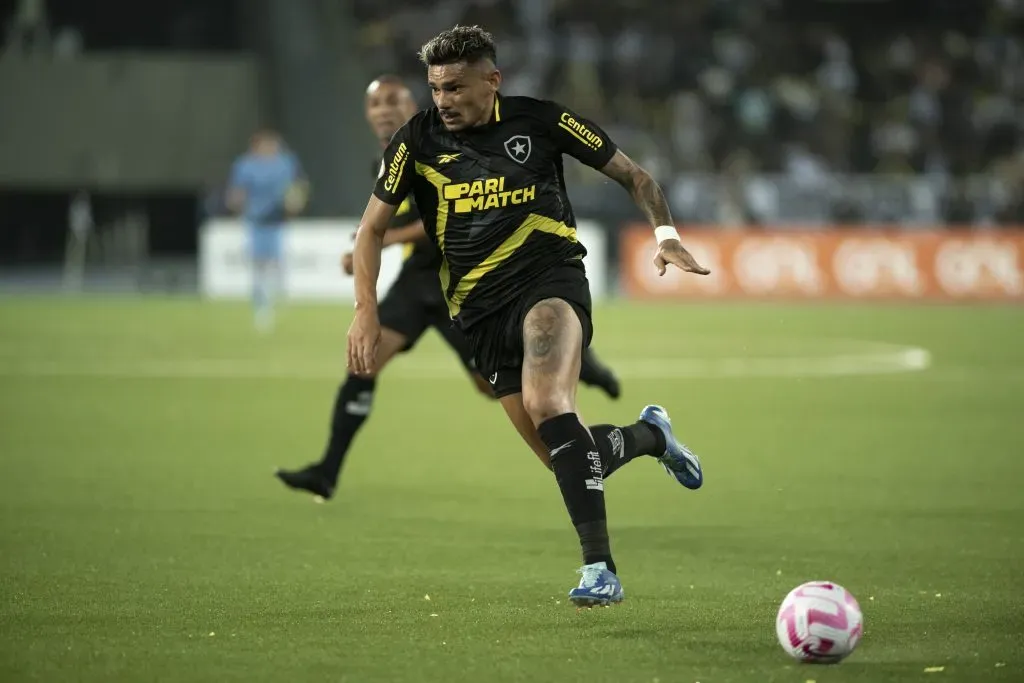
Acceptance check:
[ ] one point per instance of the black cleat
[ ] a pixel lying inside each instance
(309, 479)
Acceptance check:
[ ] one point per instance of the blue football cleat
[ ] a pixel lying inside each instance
(598, 587)
(679, 461)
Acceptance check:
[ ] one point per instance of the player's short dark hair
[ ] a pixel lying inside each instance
(469, 44)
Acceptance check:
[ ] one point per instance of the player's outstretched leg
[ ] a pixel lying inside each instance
(652, 435)
(553, 340)
(352, 406)
(594, 373)
(679, 461)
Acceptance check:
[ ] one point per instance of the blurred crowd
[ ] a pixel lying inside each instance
(746, 110)
(743, 87)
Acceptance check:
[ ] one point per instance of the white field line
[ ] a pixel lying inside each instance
(873, 361)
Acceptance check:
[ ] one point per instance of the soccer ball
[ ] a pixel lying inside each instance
(819, 622)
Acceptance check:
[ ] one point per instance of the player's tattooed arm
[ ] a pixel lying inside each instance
(641, 186)
(651, 200)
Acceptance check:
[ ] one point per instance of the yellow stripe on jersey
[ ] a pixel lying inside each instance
(533, 223)
(404, 207)
(497, 109)
(439, 181)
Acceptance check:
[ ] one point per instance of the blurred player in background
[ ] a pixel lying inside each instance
(486, 172)
(265, 188)
(413, 304)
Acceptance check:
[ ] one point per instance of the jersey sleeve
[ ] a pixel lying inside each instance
(394, 179)
(579, 137)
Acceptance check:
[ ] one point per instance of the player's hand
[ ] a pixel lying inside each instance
(363, 339)
(672, 251)
(348, 264)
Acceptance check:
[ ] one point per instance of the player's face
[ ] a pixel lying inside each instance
(388, 107)
(464, 93)
(266, 144)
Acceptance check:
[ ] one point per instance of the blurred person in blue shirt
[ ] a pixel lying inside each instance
(266, 187)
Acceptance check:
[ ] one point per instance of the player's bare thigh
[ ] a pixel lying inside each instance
(552, 347)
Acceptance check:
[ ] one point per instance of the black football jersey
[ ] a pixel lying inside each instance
(421, 254)
(493, 197)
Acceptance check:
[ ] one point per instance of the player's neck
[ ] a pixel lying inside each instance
(491, 115)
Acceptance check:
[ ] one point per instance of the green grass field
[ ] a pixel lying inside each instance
(143, 537)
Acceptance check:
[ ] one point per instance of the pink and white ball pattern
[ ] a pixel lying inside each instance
(820, 622)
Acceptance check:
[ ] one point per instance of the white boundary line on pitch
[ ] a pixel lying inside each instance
(878, 361)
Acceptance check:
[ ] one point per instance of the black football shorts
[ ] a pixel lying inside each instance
(496, 341)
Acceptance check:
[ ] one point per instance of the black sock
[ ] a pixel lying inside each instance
(351, 408)
(619, 445)
(577, 466)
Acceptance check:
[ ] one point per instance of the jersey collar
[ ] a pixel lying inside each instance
(496, 111)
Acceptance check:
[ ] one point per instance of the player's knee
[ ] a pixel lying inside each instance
(379, 365)
(391, 344)
(542, 406)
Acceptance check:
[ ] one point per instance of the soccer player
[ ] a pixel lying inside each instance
(266, 187)
(413, 304)
(486, 172)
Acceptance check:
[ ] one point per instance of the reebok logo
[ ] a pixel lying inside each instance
(561, 448)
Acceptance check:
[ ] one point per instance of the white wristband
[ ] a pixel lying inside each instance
(666, 232)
